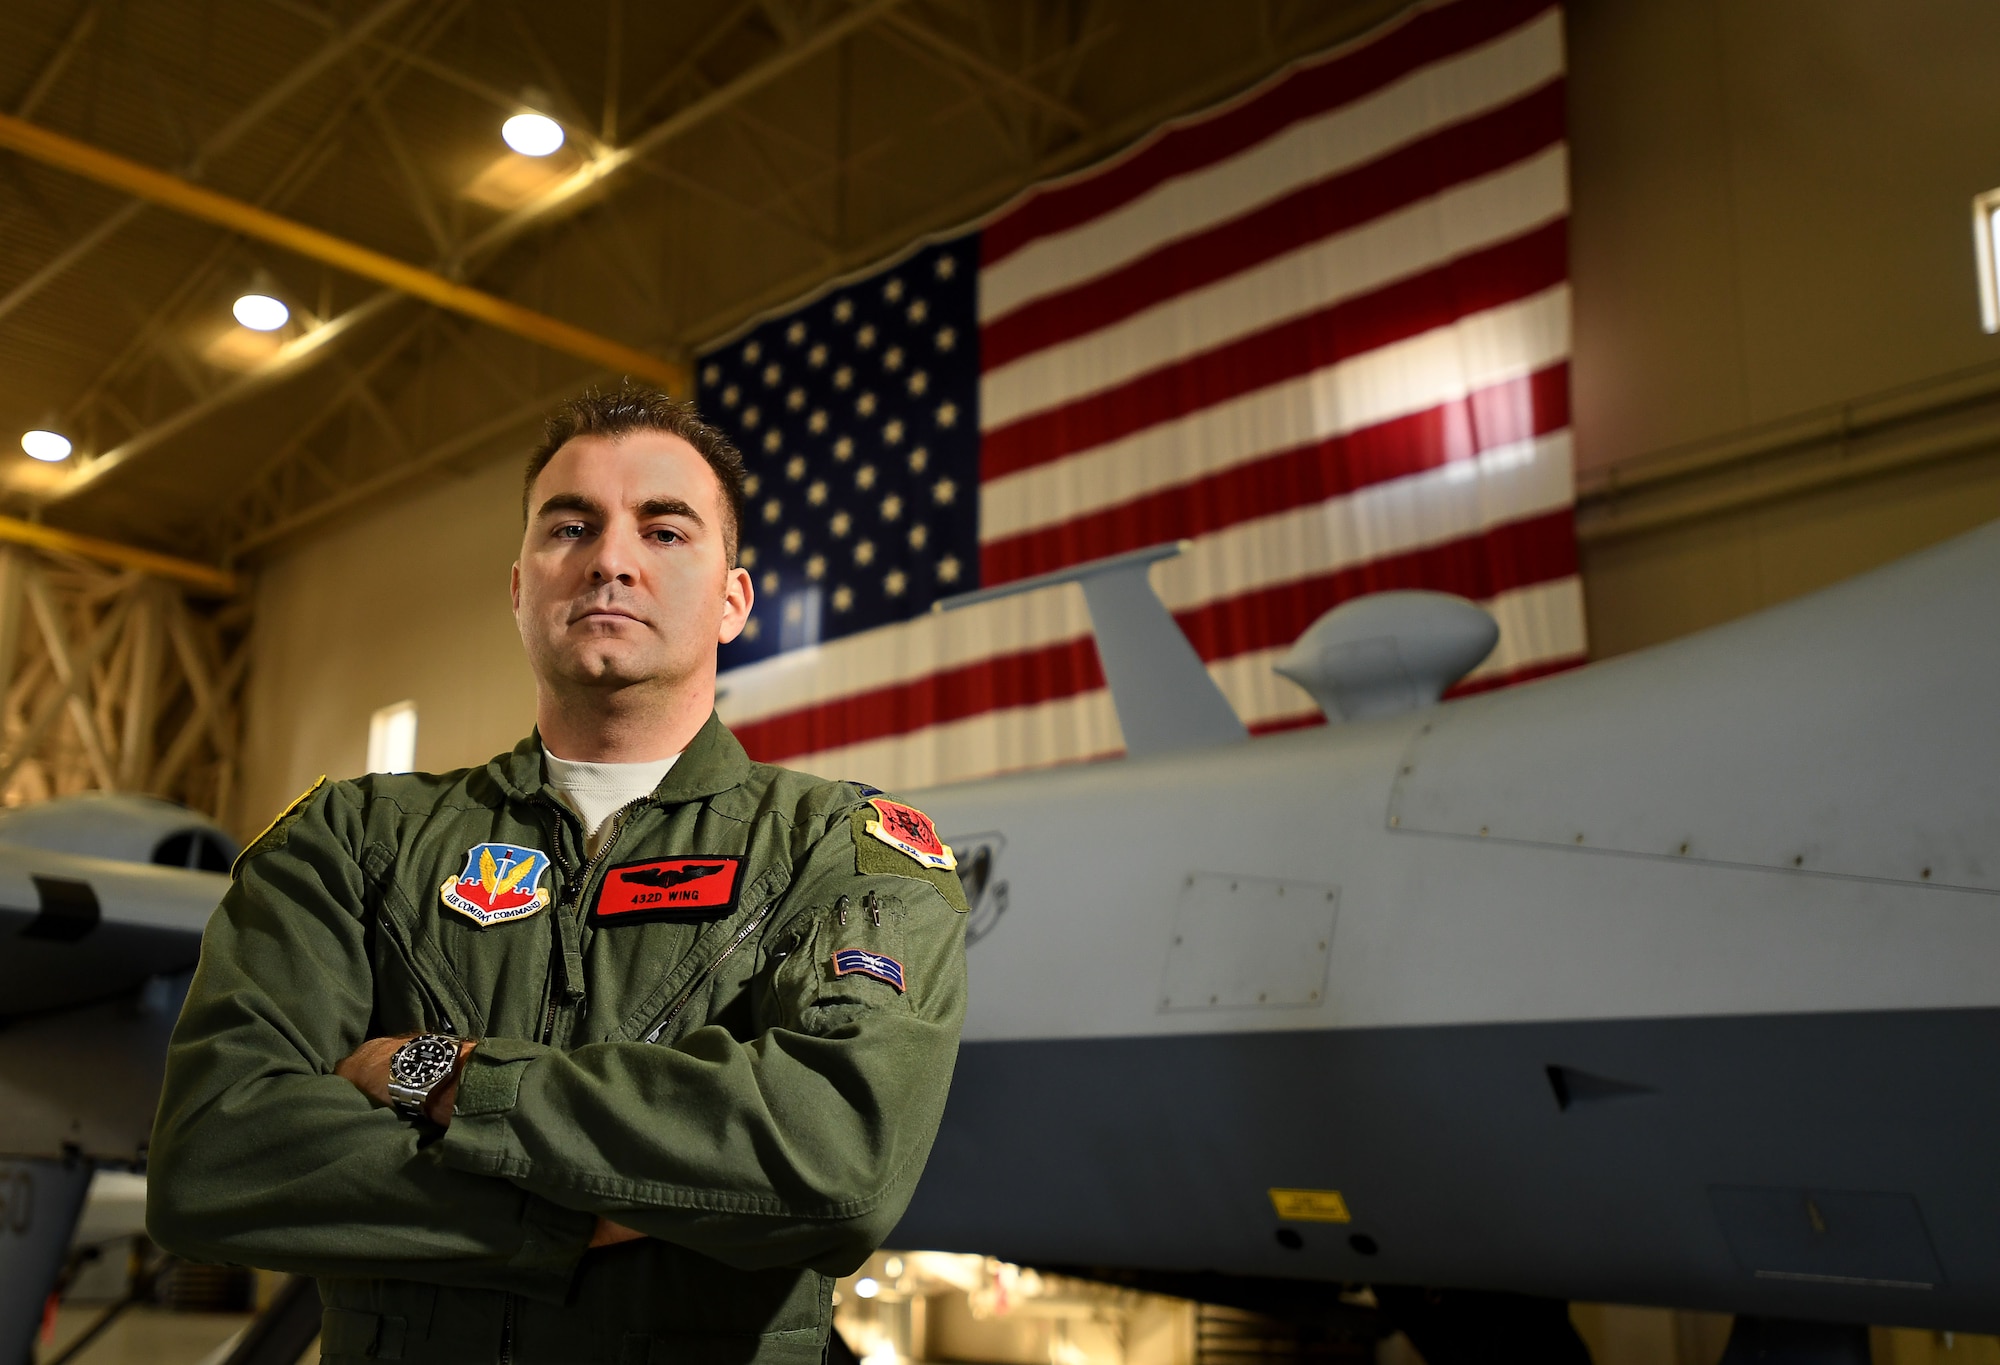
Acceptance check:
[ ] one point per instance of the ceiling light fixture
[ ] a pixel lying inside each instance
(261, 312)
(532, 134)
(46, 445)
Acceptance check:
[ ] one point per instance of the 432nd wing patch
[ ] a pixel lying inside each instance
(684, 889)
(501, 882)
(908, 830)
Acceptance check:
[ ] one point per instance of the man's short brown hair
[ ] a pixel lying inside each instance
(641, 407)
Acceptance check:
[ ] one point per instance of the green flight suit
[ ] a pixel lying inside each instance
(714, 1083)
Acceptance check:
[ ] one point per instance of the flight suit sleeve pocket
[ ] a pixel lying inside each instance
(852, 962)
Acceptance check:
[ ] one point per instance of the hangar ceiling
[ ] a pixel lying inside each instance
(722, 156)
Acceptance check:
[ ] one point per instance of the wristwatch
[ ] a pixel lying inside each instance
(416, 1068)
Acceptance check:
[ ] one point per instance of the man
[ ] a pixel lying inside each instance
(616, 1049)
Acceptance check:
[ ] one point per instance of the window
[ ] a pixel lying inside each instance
(392, 739)
(1985, 246)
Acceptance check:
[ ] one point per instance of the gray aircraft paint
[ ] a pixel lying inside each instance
(1701, 878)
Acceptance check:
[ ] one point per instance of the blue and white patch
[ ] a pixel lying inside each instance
(501, 882)
(859, 961)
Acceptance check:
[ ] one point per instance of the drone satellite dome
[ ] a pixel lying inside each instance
(1388, 652)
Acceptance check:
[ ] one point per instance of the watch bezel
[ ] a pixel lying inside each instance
(416, 1068)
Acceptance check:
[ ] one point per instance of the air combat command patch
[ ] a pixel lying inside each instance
(908, 830)
(501, 882)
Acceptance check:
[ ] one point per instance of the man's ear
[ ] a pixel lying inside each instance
(738, 596)
(514, 586)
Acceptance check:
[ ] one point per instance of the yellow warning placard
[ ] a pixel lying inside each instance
(1310, 1206)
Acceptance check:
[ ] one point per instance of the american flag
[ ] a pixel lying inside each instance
(1321, 332)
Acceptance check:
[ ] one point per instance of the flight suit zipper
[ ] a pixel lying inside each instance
(701, 977)
(574, 886)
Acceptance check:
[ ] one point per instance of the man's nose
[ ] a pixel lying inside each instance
(617, 557)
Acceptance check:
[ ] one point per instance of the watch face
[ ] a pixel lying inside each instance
(424, 1061)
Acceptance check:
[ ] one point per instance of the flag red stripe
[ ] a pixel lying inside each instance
(1514, 411)
(1436, 298)
(1420, 170)
(1481, 566)
(1428, 37)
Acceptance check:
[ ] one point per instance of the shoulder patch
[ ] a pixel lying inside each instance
(875, 857)
(278, 826)
(908, 830)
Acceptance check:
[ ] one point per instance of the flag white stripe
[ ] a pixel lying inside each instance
(1440, 505)
(1405, 377)
(1429, 98)
(1086, 725)
(1421, 237)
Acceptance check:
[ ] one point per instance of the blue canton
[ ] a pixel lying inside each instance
(858, 420)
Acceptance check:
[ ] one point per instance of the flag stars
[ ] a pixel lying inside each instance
(796, 399)
(892, 507)
(917, 312)
(841, 524)
(843, 598)
(711, 373)
(947, 338)
(918, 383)
(864, 477)
(752, 628)
(947, 414)
(919, 536)
(843, 310)
(794, 539)
(864, 552)
(751, 417)
(918, 459)
(843, 449)
(747, 557)
(773, 509)
(730, 396)
(752, 353)
(817, 422)
(816, 357)
(893, 290)
(843, 377)
(864, 337)
(895, 582)
(796, 333)
(816, 494)
(892, 359)
(751, 483)
(769, 582)
(795, 468)
(944, 267)
(772, 374)
(943, 491)
(893, 432)
(773, 439)
(948, 569)
(865, 405)
(816, 567)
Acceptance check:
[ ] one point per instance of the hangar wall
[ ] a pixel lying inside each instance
(1779, 380)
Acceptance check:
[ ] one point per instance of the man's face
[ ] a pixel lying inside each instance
(624, 575)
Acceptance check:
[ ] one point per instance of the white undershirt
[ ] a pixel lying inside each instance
(597, 790)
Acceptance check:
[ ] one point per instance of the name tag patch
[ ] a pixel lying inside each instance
(908, 830)
(501, 882)
(685, 889)
(859, 961)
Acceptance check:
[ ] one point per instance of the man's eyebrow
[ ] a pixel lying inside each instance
(669, 507)
(571, 502)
